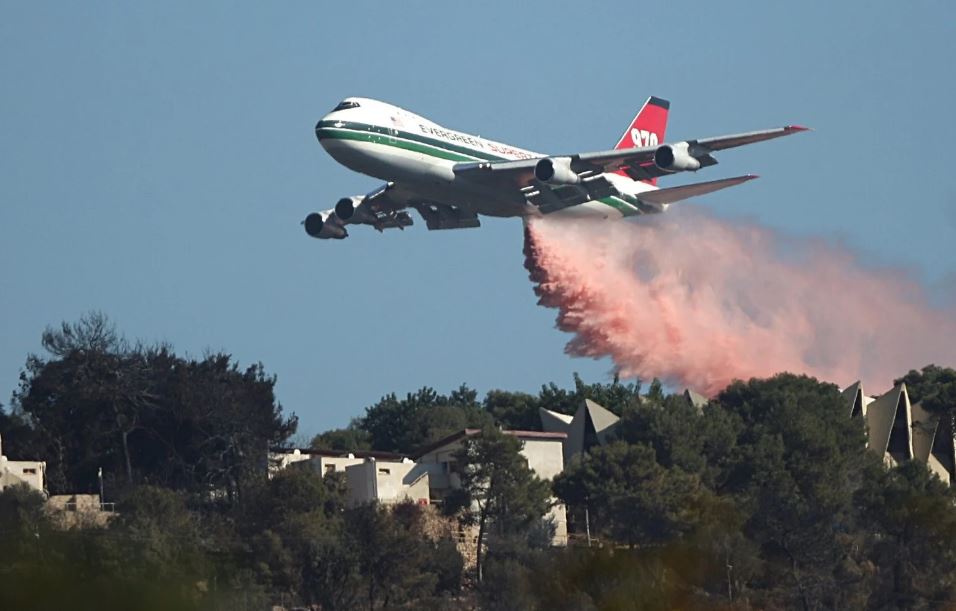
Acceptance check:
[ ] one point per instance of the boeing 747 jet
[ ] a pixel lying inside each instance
(451, 177)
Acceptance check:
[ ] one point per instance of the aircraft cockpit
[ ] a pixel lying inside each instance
(346, 104)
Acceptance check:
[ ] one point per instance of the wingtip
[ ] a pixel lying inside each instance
(798, 128)
(752, 176)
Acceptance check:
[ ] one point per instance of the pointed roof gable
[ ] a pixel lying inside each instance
(944, 447)
(601, 419)
(554, 422)
(889, 422)
(853, 394)
(925, 426)
(695, 399)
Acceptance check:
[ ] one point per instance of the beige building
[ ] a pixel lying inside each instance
(29, 472)
(387, 481)
(544, 452)
(323, 461)
(428, 475)
(898, 430)
(79, 510)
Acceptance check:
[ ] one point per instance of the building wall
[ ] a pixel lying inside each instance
(386, 482)
(282, 460)
(79, 510)
(545, 458)
(29, 472)
(333, 464)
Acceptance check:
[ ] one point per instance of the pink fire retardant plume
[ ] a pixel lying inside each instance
(699, 302)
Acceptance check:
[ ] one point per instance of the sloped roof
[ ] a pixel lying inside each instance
(602, 419)
(695, 398)
(925, 426)
(553, 421)
(455, 437)
(882, 413)
(854, 398)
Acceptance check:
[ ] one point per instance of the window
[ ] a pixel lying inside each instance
(345, 105)
(384, 471)
(29, 471)
(330, 468)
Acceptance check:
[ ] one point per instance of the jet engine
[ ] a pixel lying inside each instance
(325, 225)
(675, 158)
(345, 208)
(556, 170)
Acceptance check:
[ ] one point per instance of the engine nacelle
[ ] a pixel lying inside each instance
(345, 208)
(556, 170)
(324, 225)
(675, 158)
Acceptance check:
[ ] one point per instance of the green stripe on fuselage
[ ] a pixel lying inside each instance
(397, 133)
(366, 132)
(374, 138)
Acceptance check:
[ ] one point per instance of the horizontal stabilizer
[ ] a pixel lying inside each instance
(676, 194)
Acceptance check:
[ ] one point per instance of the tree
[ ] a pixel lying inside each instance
(513, 410)
(672, 427)
(143, 414)
(911, 539)
(933, 386)
(793, 470)
(22, 522)
(346, 440)
(390, 555)
(498, 489)
(615, 396)
(630, 498)
(290, 524)
(425, 416)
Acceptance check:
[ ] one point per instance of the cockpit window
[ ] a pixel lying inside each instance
(346, 104)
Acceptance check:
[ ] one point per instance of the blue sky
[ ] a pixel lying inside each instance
(156, 160)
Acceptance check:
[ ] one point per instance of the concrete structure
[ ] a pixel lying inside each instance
(695, 399)
(544, 452)
(387, 481)
(898, 430)
(29, 472)
(79, 510)
(430, 473)
(591, 425)
(323, 461)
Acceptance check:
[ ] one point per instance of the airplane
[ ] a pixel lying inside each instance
(450, 177)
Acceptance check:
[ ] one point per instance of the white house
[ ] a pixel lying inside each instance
(29, 472)
(428, 475)
(544, 452)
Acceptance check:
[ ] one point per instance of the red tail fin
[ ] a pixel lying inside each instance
(647, 128)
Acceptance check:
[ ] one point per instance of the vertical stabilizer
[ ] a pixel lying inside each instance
(647, 128)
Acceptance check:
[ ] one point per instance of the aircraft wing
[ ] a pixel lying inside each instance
(671, 195)
(639, 163)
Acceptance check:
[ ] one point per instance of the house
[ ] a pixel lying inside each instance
(543, 451)
(428, 475)
(29, 472)
(323, 461)
(898, 430)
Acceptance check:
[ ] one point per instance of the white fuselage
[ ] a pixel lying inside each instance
(395, 145)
